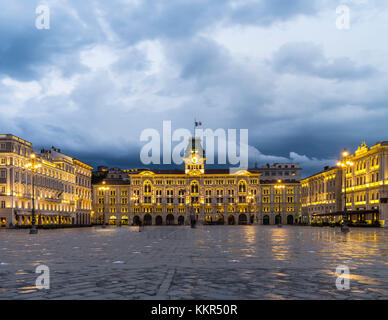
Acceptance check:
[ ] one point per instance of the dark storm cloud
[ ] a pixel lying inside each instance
(309, 59)
(200, 58)
(106, 70)
(219, 79)
(25, 50)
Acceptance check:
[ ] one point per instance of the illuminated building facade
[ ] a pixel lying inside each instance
(321, 195)
(366, 183)
(214, 196)
(279, 205)
(62, 186)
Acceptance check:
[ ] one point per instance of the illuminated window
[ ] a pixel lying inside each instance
(147, 187)
(290, 191)
(147, 199)
(242, 187)
(194, 187)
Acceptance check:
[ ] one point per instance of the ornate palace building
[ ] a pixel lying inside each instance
(62, 193)
(214, 196)
(364, 180)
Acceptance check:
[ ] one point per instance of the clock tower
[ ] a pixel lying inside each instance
(194, 157)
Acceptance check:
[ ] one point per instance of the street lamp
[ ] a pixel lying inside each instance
(135, 199)
(103, 189)
(193, 215)
(344, 163)
(250, 199)
(279, 186)
(33, 166)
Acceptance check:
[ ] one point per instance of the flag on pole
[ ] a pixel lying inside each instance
(198, 123)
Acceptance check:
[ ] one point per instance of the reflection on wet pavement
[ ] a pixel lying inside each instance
(217, 262)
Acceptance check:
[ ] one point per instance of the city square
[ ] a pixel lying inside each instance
(206, 262)
(162, 153)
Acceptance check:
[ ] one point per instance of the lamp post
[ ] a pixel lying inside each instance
(250, 198)
(193, 215)
(33, 166)
(279, 186)
(103, 189)
(135, 199)
(344, 163)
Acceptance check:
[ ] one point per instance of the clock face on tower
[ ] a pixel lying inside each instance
(194, 157)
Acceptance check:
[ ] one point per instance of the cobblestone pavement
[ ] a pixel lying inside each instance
(215, 262)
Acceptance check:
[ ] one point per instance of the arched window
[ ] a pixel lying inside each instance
(242, 186)
(194, 187)
(147, 187)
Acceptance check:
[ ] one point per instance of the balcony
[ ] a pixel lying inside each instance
(51, 200)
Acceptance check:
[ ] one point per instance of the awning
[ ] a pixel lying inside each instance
(341, 213)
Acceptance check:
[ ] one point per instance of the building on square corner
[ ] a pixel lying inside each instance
(62, 186)
(360, 180)
(267, 195)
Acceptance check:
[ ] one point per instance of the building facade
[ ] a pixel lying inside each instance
(366, 184)
(279, 205)
(363, 182)
(280, 171)
(321, 196)
(62, 186)
(213, 196)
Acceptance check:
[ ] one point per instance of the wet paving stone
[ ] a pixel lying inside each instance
(215, 262)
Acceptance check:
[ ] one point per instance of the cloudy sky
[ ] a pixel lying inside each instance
(106, 70)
